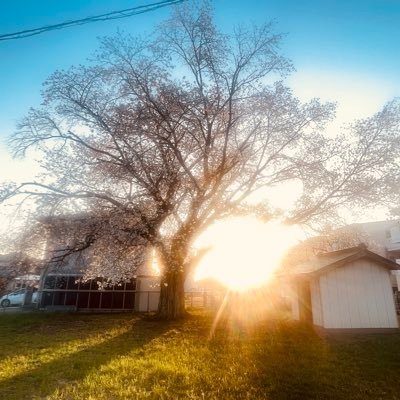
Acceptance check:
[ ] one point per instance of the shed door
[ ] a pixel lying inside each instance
(305, 302)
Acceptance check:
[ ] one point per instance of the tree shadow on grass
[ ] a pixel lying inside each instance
(367, 364)
(29, 333)
(43, 379)
(293, 362)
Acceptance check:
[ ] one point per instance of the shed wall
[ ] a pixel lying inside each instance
(357, 295)
(316, 302)
(294, 298)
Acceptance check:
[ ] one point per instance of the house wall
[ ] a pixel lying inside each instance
(358, 295)
(148, 293)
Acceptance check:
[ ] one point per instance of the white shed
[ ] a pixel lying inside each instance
(343, 289)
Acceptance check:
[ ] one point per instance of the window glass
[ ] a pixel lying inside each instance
(108, 286)
(129, 300)
(118, 300)
(131, 284)
(61, 282)
(59, 298)
(72, 290)
(107, 300)
(70, 299)
(47, 299)
(50, 282)
(84, 285)
(94, 300)
(83, 298)
(96, 283)
(119, 286)
(73, 283)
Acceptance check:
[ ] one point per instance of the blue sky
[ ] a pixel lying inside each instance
(343, 50)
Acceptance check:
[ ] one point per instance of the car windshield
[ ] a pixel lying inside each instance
(17, 292)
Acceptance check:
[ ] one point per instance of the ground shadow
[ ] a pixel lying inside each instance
(296, 362)
(45, 378)
(292, 363)
(55, 328)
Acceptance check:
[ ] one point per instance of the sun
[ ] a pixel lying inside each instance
(244, 252)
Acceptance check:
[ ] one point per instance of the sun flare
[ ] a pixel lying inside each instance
(244, 252)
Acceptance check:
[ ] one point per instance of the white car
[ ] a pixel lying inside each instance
(17, 298)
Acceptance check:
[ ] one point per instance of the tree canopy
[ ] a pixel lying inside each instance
(161, 136)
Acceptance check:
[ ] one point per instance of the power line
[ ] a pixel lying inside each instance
(103, 17)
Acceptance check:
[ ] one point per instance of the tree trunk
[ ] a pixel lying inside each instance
(172, 296)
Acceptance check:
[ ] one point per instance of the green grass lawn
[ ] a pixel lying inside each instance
(75, 356)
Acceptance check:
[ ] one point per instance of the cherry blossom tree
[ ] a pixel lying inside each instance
(160, 137)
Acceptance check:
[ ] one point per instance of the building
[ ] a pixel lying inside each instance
(66, 287)
(17, 272)
(383, 235)
(344, 289)
(68, 281)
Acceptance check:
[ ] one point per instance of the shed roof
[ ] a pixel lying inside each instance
(334, 259)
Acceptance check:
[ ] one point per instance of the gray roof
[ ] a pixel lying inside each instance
(334, 259)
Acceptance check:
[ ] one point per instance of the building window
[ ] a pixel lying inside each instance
(60, 290)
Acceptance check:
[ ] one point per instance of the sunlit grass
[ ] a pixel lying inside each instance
(126, 357)
(38, 356)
